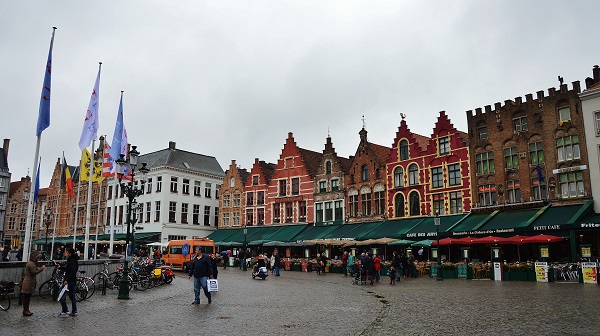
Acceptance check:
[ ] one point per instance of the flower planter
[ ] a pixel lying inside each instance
(449, 273)
(517, 276)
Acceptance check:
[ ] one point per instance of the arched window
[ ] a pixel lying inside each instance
(413, 174)
(328, 167)
(403, 150)
(399, 205)
(398, 177)
(232, 182)
(351, 178)
(364, 173)
(415, 204)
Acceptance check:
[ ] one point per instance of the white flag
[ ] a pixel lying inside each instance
(90, 124)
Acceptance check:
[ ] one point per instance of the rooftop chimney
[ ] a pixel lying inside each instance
(171, 144)
(5, 146)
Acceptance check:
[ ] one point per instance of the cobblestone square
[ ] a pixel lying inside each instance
(307, 304)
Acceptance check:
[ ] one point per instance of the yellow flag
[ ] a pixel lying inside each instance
(84, 171)
(97, 177)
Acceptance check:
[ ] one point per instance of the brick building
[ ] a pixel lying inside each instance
(255, 193)
(366, 181)
(428, 175)
(531, 150)
(290, 195)
(232, 190)
(330, 186)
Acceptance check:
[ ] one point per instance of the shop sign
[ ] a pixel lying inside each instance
(541, 271)
(546, 227)
(569, 169)
(481, 232)
(497, 271)
(421, 234)
(462, 271)
(590, 225)
(590, 272)
(544, 252)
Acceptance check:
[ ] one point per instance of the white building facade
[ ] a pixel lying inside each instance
(590, 107)
(180, 198)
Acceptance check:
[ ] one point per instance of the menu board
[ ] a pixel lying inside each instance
(541, 271)
(498, 271)
(590, 272)
(586, 251)
(544, 252)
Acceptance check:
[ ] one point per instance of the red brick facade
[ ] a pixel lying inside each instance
(290, 195)
(428, 175)
(231, 202)
(255, 193)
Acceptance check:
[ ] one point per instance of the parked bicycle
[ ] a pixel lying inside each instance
(6, 289)
(50, 288)
(104, 279)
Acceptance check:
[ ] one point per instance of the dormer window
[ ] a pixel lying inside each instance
(328, 167)
(443, 145)
(403, 150)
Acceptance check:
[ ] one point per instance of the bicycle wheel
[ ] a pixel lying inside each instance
(48, 290)
(111, 280)
(91, 286)
(100, 281)
(81, 290)
(4, 302)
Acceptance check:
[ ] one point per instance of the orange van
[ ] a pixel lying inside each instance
(177, 248)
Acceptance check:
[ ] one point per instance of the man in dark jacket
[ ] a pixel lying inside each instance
(70, 281)
(201, 269)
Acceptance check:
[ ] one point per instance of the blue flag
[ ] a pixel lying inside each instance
(119, 141)
(44, 113)
(36, 189)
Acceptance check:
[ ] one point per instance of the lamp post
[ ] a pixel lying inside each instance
(47, 221)
(244, 266)
(436, 221)
(131, 192)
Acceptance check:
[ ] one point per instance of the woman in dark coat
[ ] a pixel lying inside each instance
(29, 280)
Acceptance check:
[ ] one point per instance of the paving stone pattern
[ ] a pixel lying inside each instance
(306, 304)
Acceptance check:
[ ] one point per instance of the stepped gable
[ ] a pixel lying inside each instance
(417, 143)
(381, 152)
(444, 126)
(177, 158)
(17, 185)
(243, 174)
(344, 163)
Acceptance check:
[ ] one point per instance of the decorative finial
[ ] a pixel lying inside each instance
(364, 123)
(402, 115)
(560, 80)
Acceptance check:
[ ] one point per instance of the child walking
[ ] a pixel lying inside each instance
(392, 274)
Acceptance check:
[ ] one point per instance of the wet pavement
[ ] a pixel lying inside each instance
(304, 303)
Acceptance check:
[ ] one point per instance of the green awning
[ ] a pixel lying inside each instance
(564, 217)
(508, 222)
(263, 235)
(315, 232)
(342, 231)
(363, 229)
(469, 223)
(287, 233)
(426, 228)
(239, 235)
(222, 235)
(392, 228)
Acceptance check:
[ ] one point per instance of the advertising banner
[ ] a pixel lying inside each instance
(590, 273)
(541, 271)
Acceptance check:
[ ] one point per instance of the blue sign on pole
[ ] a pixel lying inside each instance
(185, 250)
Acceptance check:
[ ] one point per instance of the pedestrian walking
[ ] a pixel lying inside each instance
(201, 269)
(345, 263)
(318, 264)
(214, 262)
(272, 262)
(225, 259)
(323, 262)
(276, 262)
(70, 280)
(29, 280)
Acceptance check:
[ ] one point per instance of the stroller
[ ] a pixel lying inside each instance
(359, 277)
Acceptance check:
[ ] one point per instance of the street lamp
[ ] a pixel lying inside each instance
(131, 191)
(244, 266)
(436, 221)
(47, 221)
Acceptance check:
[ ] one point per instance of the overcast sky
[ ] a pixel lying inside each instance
(230, 79)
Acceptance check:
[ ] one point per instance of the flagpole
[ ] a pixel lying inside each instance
(56, 215)
(99, 198)
(76, 207)
(113, 222)
(89, 206)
